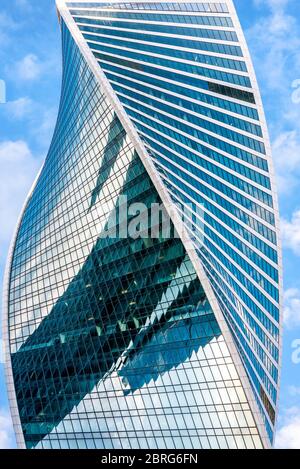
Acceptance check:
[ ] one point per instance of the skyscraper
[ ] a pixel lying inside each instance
(124, 331)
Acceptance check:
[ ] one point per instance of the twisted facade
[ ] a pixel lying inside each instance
(167, 341)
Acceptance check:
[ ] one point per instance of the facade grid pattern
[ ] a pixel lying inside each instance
(117, 343)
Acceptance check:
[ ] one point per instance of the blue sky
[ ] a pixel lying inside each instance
(30, 65)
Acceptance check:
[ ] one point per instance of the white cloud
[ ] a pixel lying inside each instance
(288, 434)
(6, 430)
(274, 38)
(23, 4)
(287, 160)
(18, 170)
(6, 24)
(29, 68)
(19, 108)
(291, 232)
(294, 391)
(275, 5)
(39, 121)
(291, 312)
(275, 43)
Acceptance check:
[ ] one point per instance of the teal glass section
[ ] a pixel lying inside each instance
(183, 77)
(113, 341)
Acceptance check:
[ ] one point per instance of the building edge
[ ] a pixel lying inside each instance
(64, 14)
(10, 386)
(266, 135)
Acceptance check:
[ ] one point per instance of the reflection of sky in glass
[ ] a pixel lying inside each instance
(182, 405)
(188, 88)
(132, 316)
